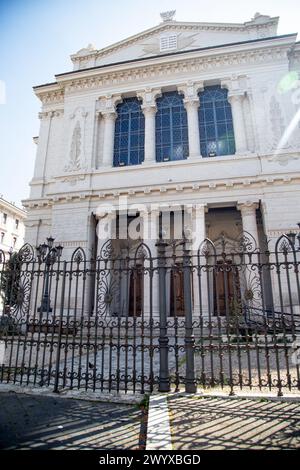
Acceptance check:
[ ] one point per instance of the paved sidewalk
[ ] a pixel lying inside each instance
(43, 422)
(199, 423)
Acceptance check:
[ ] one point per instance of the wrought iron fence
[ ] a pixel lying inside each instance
(226, 316)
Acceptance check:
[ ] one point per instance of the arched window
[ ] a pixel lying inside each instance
(215, 122)
(129, 133)
(171, 129)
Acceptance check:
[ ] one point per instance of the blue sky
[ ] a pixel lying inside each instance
(38, 36)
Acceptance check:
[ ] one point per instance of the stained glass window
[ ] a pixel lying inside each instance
(171, 129)
(215, 122)
(129, 133)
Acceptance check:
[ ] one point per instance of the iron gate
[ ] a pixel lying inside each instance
(116, 323)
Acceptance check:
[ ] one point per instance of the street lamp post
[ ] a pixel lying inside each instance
(293, 236)
(48, 253)
(164, 379)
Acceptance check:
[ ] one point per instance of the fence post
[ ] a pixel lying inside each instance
(189, 339)
(60, 327)
(164, 379)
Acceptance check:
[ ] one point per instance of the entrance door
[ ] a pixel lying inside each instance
(226, 289)
(136, 292)
(176, 292)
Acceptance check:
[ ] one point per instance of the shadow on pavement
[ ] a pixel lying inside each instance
(41, 422)
(220, 424)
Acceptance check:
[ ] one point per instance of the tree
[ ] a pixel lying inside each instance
(10, 281)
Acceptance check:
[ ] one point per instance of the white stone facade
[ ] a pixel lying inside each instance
(74, 171)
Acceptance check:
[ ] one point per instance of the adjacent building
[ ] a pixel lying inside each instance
(12, 228)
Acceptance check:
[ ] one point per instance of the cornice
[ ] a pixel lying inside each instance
(251, 44)
(54, 96)
(179, 65)
(230, 184)
(278, 232)
(12, 209)
(205, 59)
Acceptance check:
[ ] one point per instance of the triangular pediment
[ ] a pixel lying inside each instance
(174, 36)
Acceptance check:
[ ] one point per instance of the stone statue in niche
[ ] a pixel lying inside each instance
(75, 152)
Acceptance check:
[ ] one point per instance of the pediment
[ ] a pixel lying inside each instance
(188, 36)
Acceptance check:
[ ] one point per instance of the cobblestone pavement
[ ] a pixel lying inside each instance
(199, 423)
(43, 422)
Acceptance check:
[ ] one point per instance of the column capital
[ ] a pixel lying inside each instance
(191, 103)
(148, 96)
(108, 115)
(108, 103)
(236, 96)
(154, 212)
(247, 206)
(149, 109)
(199, 208)
(249, 221)
(150, 217)
(190, 90)
(106, 213)
(235, 83)
(144, 213)
(44, 115)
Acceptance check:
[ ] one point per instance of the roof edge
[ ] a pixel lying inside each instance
(246, 25)
(140, 59)
(13, 207)
(55, 85)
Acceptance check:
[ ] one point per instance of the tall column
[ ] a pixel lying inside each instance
(198, 221)
(248, 213)
(149, 113)
(191, 103)
(200, 281)
(191, 106)
(108, 139)
(148, 97)
(42, 151)
(236, 101)
(150, 228)
(249, 274)
(107, 108)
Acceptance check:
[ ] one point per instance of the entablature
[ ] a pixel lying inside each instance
(261, 51)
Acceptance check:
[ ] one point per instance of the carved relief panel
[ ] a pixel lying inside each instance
(76, 152)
